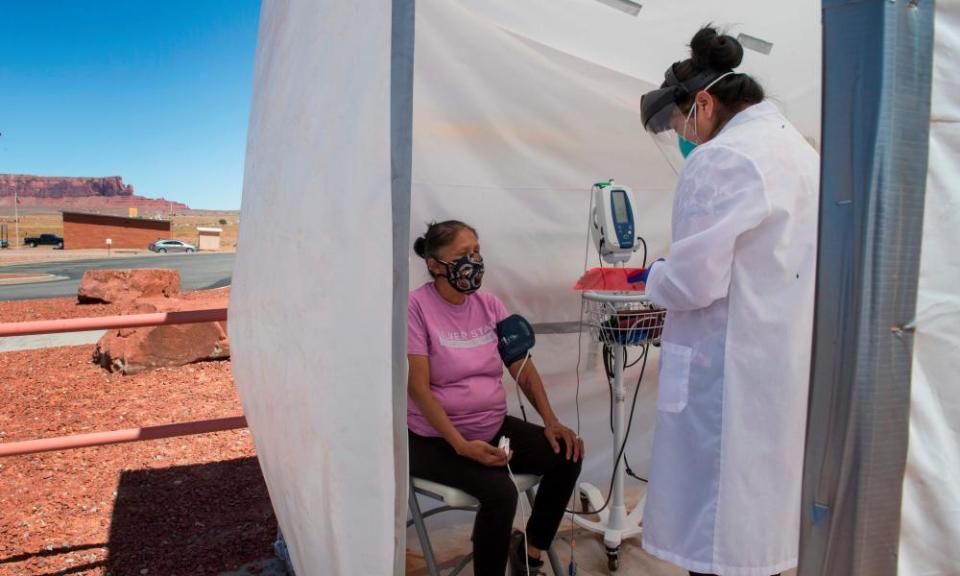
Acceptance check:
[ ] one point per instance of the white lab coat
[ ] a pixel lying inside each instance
(724, 492)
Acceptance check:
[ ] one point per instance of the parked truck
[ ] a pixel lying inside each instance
(44, 240)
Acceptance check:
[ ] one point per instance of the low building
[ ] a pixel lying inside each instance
(83, 230)
(208, 238)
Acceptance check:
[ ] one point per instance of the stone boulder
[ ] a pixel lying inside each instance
(111, 286)
(133, 350)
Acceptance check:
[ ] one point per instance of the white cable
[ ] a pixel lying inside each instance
(519, 374)
(523, 514)
(591, 222)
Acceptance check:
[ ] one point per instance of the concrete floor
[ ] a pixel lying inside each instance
(591, 557)
(450, 543)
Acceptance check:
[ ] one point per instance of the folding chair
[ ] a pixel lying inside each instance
(454, 499)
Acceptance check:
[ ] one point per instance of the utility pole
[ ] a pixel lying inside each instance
(16, 217)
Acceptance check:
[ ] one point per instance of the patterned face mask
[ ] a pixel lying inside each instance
(465, 274)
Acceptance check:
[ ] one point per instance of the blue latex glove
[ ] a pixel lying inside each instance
(641, 276)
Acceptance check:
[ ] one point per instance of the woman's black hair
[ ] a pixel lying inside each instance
(438, 235)
(710, 50)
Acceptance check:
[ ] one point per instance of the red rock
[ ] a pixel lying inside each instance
(86, 194)
(28, 185)
(130, 351)
(109, 286)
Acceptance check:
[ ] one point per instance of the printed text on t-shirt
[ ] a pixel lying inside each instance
(468, 338)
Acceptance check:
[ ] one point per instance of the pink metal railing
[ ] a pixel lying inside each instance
(112, 322)
(121, 436)
(129, 434)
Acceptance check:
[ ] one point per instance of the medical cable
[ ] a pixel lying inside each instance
(623, 445)
(519, 374)
(609, 370)
(586, 258)
(635, 362)
(630, 472)
(644, 242)
(579, 356)
(523, 514)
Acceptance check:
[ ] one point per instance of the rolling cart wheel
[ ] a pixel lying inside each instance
(613, 559)
(584, 503)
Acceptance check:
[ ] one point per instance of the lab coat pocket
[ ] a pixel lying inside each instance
(674, 377)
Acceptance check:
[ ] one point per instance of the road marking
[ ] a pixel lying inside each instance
(16, 279)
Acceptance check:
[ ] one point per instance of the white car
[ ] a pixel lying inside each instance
(164, 246)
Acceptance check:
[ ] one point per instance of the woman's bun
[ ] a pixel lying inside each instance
(420, 247)
(712, 51)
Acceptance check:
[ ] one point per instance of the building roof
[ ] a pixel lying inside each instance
(109, 219)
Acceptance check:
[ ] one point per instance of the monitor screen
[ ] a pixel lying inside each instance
(620, 207)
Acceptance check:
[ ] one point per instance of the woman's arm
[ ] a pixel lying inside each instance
(532, 385)
(418, 386)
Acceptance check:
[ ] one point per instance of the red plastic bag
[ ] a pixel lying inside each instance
(609, 280)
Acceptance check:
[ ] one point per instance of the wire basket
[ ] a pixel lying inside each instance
(628, 320)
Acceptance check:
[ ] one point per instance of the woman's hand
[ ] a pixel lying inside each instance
(574, 443)
(483, 453)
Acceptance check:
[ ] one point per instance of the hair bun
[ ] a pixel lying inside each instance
(710, 50)
(420, 247)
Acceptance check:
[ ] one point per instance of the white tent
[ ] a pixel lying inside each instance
(930, 524)
(516, 109)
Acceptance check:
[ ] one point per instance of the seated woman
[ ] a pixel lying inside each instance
(458, 408)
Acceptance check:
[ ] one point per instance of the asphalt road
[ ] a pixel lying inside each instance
(197, 272)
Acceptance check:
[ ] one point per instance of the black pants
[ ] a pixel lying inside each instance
(434, 459)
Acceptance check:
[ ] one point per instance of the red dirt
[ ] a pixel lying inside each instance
(26, 310)
(190, 505)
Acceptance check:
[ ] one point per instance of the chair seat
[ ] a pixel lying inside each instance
(458, 498)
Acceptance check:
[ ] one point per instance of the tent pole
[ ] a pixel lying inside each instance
(401, 165)
(876, 112)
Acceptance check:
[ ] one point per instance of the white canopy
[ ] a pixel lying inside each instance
(518, 107)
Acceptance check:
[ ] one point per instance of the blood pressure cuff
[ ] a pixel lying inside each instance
(515, 338)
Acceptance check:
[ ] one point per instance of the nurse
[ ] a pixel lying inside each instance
(724, 492)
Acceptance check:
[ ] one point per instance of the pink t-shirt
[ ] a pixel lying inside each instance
(465, 367)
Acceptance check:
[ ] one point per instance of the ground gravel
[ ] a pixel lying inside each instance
(189, 505)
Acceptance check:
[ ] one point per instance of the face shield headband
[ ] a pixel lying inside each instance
(658, 107)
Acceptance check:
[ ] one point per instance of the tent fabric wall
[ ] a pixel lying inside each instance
(512, 123)
(311, 308)
(930, 527)
(876, 115)
(509, 135)
(519, 107)
(643, 46)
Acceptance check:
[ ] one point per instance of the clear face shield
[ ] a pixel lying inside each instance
(665, 129)
(666, 122)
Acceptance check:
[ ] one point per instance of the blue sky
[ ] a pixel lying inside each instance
(155, 91)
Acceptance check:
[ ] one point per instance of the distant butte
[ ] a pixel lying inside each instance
(84, 194)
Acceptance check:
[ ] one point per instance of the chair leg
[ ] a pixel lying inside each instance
(461, 565)
(551, 552)
(555, 561)
(422, 535)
